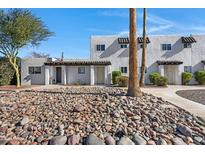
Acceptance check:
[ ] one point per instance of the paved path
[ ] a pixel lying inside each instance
(170, 95)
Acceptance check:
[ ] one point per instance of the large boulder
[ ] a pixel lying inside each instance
(58, 140)
(139, 140)
(92, 139)
(125, 141)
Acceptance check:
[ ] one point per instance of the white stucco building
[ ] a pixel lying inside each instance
(168, 55)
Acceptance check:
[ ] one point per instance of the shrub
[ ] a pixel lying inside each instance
(122, 81)
(153, 76)
(186, 77)
(161, 81)
(6, 72)
(200, 77)
(115, 74)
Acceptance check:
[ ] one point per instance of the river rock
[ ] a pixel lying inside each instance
(74, 140)
(184, 130)
(58, 140)
(178, 141)
(139, 140)
(109, 140)
(125, 141)
(92, 139)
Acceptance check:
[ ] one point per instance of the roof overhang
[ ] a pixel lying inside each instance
(163, 62)
(77, 63)
(190, 39)
(203, 61)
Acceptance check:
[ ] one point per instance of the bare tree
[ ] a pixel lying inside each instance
(144, 46)
(133, 87)
(39, 55)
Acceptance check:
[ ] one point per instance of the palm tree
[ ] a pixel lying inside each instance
(144, 46)
(133, 87)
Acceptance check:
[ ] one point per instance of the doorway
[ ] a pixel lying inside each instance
(58, 74)
(100, 75)
(170, 73)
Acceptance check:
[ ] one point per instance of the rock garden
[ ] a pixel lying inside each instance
(94, 116)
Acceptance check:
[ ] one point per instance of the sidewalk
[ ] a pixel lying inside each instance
(170, 95)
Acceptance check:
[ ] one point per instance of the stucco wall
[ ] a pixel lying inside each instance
(28, 79)
(73, 76)
(119, 57)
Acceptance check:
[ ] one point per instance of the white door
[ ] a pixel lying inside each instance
(100, 75)
(170, 73)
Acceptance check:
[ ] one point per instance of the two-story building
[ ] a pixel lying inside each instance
(168, 55)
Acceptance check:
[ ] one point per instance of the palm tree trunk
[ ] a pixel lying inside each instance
(142, 77)
(133, 87)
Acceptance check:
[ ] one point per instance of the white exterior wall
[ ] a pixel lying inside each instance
(119, 57)
(73, 76)
(28, 79)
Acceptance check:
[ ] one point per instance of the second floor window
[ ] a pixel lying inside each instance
(123, 69)
(123, 45)
(34, 70)
(100, 47)
(81, 70)
(187, 45)
(166, 47)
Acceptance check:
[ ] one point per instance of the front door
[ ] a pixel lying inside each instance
(170, 73)
(58, 74)
(100, 75)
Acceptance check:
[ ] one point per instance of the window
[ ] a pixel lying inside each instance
(123, 45)
(166, 47)
(100, 47)
(188, 69)
(141, 45)
(34, 70)
(139, 70)
(81, 70)
(187, 45)
(124, 69)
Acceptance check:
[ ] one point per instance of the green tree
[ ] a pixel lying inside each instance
(133, 87)
(20, 28)
(144, 46)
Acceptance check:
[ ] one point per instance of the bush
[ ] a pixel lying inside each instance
(186, 77)
(161, 81)
(200, 77)
(6, 72)
(122, 81)
(115, 74)
(153, 76)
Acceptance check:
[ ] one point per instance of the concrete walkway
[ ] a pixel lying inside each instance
(170, 95)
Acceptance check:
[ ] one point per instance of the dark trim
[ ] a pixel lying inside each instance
(190, 39)
(77, 63)
(125, 40)
(169, 62)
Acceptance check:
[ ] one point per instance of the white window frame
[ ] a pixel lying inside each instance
(123, 69)
(34, 70)
(81, 70)
(123, 46)
(187, 45)
(100, 48)
(166, 45)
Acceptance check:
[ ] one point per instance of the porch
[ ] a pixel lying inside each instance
(77, 72)
(171, 70)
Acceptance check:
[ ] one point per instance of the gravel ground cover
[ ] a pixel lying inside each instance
(94, 115)
(193, 95)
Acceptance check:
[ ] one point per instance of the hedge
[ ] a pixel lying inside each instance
(115, 74)
(122, 81)
(200, 77)
(186, 78)
(153, 76)
(161, 81)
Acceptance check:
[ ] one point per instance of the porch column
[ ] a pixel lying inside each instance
(64, 75)
(46, 75)
(92, 75)
(51, 75)
(107, 75)
(161, 70)
(204, 67)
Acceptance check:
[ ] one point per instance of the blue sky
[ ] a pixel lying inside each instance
(73, 27)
